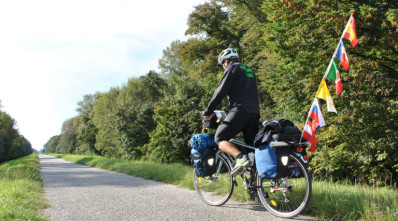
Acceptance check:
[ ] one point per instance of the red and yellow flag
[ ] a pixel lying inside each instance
(350, 33)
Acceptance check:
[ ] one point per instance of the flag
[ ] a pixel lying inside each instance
(309, 135)
(334, 75)
(341, 55)
(316, 116)
(324, 94)
(350, 33)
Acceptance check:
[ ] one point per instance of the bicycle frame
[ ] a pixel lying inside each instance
(228, 157)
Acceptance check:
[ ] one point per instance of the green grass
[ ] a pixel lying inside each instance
(336, 201)
(329, 201)
(21, 190)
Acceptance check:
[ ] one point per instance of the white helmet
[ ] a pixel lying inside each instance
(228, 53)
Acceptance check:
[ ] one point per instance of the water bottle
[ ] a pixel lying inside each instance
(251, 158)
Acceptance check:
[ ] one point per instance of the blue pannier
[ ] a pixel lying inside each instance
(266, 161)
(269, 161)
(204, 162)
(202, 141)
(203, 154)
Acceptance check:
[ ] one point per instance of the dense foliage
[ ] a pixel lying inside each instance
(12, 144)
(289, 44)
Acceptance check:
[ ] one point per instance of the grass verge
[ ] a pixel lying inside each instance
(329, 201)
(21, 190)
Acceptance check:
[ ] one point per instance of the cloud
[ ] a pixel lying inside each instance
(54, 52)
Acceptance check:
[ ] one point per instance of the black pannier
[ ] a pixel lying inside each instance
(279, 130)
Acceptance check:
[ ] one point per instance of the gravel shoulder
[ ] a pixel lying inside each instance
(78, 192)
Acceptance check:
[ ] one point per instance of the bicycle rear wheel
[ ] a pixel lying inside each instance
(217, 188)
(286, 197)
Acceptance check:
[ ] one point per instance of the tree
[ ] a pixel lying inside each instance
(68, 140)
(12, 144)
(154, 86)
(87, 131)
(104, 119)
(176, 123)
(210, 19)
(51, 145)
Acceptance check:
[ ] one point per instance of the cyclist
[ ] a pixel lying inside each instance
(239, 84)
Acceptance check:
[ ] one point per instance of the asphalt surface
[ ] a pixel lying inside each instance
(78, 192)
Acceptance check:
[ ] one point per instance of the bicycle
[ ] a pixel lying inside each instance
(285, 197)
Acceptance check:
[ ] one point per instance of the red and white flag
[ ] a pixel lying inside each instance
(309, 135)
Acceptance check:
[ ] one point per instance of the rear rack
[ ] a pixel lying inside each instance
(272, 144)
(287, 144)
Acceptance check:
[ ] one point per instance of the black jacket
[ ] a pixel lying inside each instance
(239, 83)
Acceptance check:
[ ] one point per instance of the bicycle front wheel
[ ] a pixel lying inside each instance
(286, 197)
(216, 189)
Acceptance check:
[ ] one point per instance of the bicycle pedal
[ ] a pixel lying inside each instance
(240, 172)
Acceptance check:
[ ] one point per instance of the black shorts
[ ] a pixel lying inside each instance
(236, 122)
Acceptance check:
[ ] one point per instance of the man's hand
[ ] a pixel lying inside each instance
(208, 117)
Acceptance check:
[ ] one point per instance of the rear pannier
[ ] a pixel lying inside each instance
(269, 161)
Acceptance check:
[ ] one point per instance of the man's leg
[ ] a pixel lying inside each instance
(229, 148)
(251, 130)
(229, 128)
(241, 160)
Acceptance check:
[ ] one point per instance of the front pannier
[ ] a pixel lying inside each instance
(203, 154)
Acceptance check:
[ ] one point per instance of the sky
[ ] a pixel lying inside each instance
(53, 52)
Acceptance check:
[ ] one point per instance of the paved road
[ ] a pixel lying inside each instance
(78, 192)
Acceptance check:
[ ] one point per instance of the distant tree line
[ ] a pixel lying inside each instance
(12, 144)
(289, 45)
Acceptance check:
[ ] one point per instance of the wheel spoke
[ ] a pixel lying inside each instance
(286, 197)
(215, 189)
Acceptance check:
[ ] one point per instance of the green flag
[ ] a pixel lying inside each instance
(334, 75)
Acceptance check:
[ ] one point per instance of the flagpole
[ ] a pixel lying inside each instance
(330, 64)
(346, 26)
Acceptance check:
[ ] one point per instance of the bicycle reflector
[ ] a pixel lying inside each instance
(200, 180)
(210, 161)
(299, 149)
(284, 160)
